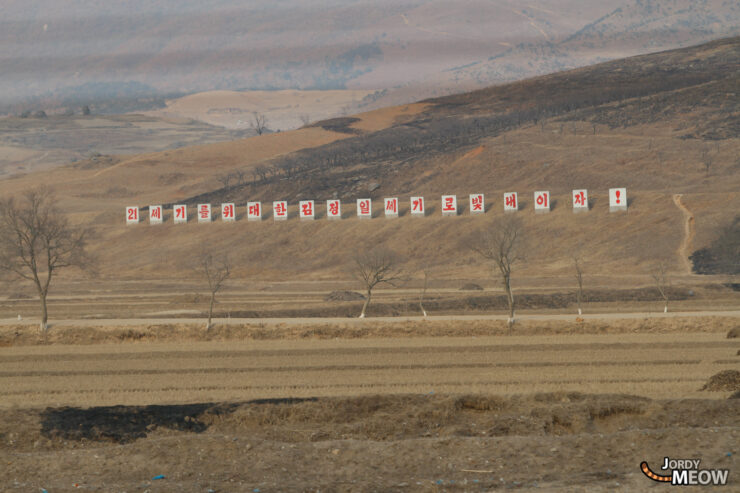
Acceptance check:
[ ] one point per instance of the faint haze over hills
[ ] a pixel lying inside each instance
(62, 53)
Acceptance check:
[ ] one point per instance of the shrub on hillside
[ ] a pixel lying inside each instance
(723, 255)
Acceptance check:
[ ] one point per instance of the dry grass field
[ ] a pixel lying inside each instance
(283, 109)
(190, 372)
(638, 123)
(302, 408)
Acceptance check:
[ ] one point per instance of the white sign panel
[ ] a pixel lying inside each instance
(542, 201)
(617, 199)
(155, 214)
(280, 210)
(477, 204)
(391, 207)
(364, 208)
(228, 212)
(417, 207)
(254, 211)
(511, 203)
(333, 209)
(449, 205)
(180, 213)
(307, 209)
(580, 200)
(132, 215)
(204, 213)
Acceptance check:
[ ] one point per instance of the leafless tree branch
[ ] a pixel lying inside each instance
(215, 270)
(502, 244)
(36, 241)
(377, 266)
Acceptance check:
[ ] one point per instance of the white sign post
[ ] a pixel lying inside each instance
(580, 200)
(617, 199)
(204, 213)
(307, 211)
(333, 209)
(180, 213)
(477, 204)
(132, 215)
(417, 207)
(541, 202)
(280, 210)
(391, 207)
(155, 214)
(228, 212)
(364, 208)
(449, 205)
(254, 211)
(511, 204)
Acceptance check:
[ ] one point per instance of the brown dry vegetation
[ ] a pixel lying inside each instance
(113, 332)
(423, 414)
(176, 364)
(397, 405)
(644, 123)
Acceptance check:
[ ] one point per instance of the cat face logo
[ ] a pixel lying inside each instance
(686, 472)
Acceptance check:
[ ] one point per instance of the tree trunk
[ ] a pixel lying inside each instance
(210, 311)
(367, 302)
(44, 326)
(665, 307)
(510, 295)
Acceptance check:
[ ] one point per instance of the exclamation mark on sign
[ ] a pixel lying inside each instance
(617, 193)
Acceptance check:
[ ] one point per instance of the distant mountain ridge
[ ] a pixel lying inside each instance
(70, 53)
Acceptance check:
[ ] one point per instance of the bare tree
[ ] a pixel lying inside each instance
(259, 123)
(225, 180)
(423, 293)
(662, 283)
(260, 173)
(502, 243)
(215, 270)
(240, 175)
(305, 119)
(374, 267)
(578, 265)
(36, 241)
(707, 159)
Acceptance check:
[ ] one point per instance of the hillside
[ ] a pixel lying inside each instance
(33, 143)
(649, 123)
(133, 56)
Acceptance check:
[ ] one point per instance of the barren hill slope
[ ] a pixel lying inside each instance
(658, 124)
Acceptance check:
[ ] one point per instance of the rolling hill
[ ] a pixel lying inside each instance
(132, 56)
(659, 124)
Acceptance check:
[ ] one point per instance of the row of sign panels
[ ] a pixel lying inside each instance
(307, 208)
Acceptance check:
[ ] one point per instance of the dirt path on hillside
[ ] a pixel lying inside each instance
(684, 251)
